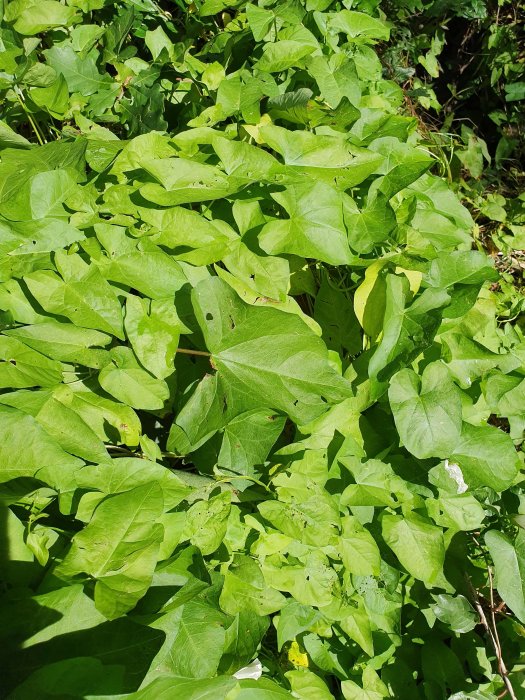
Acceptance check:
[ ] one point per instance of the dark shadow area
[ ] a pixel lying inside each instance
(119, 642)
(17, 574)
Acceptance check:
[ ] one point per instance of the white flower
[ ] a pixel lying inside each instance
(253, 670)
(455, 473)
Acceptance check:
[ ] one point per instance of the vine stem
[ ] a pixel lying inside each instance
(201, 353)
(502, 669)
(20, 99)
(248, 478)
(126, 450)
(492, 632)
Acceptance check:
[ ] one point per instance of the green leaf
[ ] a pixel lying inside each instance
(359, 551)
(37, 17)
(336, 78)
(315, 228)
(402, 165)
(334, 312)
(153, 340)
(515, 91)
(296, 107)
(259, 20)
(427, 411)
(262, 689)
(81, 74)
(20, 568)
(457, 512)
(460, 267)
(44, 196)
(182, 181)
(64, 342)
(505, 394)
(119, 547)
(109, 420)
(27, 448)
(265, 275)
(205, 412)
(126, 473)
(509, 562)
(327, 157)
(55, 613)
(311, 582)
(486, 456)
(247, 440)
(407, 329)
(21, 367)
(473, 153)
(284, 54)
(307, 686)
(89, 302)
(418, 545)
(140, 265)
(195, 641)
(10, 139)
(201, 689)
(70, 431)
(244, 589)
(295, 618)
(25, 244)
(264, 356)
(189, 236)
(455, 612)
(117, 642)
(243, 638)
(370, 226)
(127, 382)
(358, 627)
(358, 24)
(206, 522)
(312, 522)
(370, 299)
(376, 483)
(466, 359)
(248, 162)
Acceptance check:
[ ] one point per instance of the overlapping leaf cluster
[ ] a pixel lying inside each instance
(256, 401)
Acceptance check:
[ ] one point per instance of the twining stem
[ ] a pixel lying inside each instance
(119, 448)
(501, 664)
(493, 635)
(41, 140)
(492, 630)
(202, 353)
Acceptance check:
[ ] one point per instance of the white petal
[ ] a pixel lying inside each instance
(253, 670)
(455, 473)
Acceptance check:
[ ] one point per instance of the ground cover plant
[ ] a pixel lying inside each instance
(262, 403)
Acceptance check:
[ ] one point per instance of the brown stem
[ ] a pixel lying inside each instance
(494, 638)
(492, 633)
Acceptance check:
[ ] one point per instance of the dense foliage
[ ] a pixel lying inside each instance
(462, 66)
(262, 398)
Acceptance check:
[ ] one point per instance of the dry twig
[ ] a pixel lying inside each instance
(492, 632)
